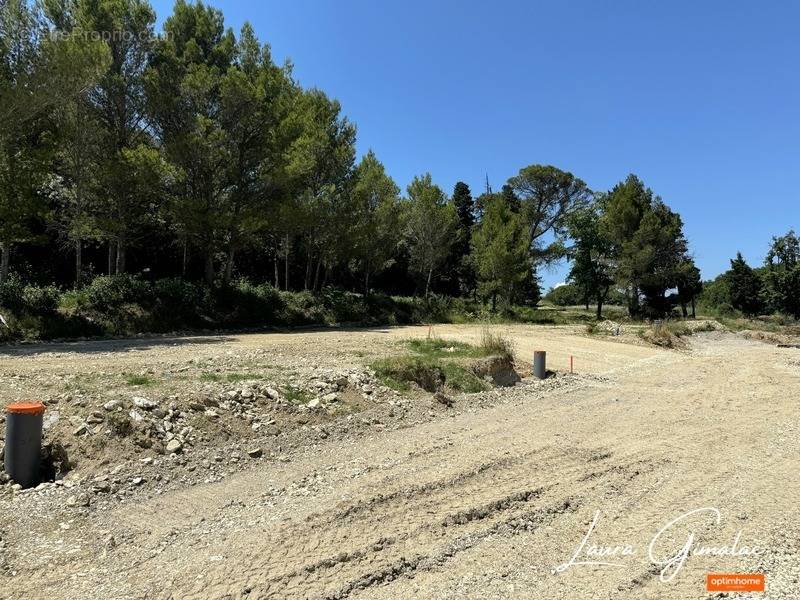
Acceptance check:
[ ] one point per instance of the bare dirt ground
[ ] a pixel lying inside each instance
(399, 497)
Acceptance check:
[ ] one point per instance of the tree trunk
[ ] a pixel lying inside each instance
(316, 275)
(228, 274)
(286, 265)
(275, 269)
(209, 269)
(684, 312)
(112, 257)
(307, 281)
(325, 274)
(185, 258)
(366, 283)
(694, 312)
(599, 308)
(120, 257)
(5, 261)
(428, 283)
(633, 301)
(78, 262)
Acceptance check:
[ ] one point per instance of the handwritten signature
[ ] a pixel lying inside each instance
(671, 561)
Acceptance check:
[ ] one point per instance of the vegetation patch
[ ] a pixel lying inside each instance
(436, 363)
(440, 348)
(296, 395)
(139, 380)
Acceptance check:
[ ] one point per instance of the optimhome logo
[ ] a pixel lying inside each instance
(733, 582)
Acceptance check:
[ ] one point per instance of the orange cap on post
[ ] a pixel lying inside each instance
(26, 408)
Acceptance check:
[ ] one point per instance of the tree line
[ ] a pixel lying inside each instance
(192, 153)
(771, 288)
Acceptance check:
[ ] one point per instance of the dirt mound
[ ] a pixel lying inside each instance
(768, 337)
(498, 369)
(610, 327)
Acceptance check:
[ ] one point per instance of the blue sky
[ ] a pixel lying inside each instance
(700, 99)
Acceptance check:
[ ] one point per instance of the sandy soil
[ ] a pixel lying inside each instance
(483, 501)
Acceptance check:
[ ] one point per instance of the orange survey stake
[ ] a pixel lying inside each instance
(735, 582)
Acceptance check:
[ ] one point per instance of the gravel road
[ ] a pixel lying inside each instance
(478, 502)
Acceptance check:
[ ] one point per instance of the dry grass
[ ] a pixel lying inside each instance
(494, 344)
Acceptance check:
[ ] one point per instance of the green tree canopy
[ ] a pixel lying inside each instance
(782, 274)
(547, 197)
(377, 219)
(431, 227)
(500, 250)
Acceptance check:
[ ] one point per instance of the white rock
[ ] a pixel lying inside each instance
(50, 419)
(144, 403)
(332, 397)
(112, 405)
(313, 403)
(174, 446)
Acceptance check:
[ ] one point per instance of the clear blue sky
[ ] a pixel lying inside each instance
(700, 99)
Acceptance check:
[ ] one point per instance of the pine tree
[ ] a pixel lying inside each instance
(377, 229)
(500, 251)
(459, 259)
(431, 224)
(591, 257)
(782, 274)
(745, 286)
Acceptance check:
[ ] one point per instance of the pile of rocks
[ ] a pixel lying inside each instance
(162, 441)
(611, 327)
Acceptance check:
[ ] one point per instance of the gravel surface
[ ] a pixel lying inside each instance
(277, 466)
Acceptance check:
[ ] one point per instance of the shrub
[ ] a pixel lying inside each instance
(248, 304)
(40, 300)
(108, 293)
(178, 293)
(565, 295)
(32, 300)
(301, 308)
(12, 293)
(178, 303)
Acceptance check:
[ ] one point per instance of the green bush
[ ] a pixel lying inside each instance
(40, 300)
(178, 303)
(129, 305)
(245, 304)
(12, 294)
(178, 292)
(565, 295)
(106, 293)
